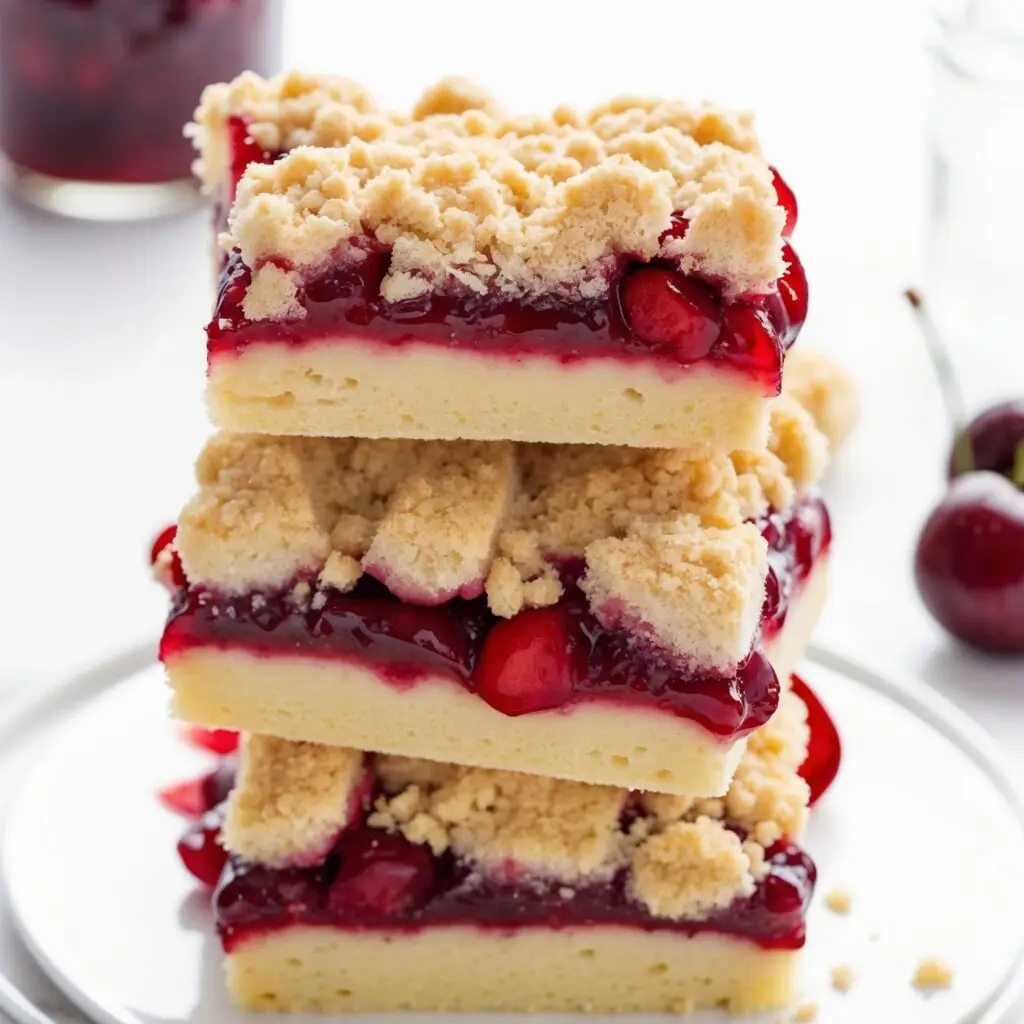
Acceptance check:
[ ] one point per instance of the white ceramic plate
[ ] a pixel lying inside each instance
(922, 827)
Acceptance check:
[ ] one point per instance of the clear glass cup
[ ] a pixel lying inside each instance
(975, 272)
(94, 95)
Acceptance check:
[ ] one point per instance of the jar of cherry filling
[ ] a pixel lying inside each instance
(94, 95)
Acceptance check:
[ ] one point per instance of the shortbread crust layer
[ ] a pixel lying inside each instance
(328, 701)
(596, 969)
(424, 391)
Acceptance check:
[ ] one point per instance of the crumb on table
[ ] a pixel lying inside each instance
(842, 977)
(839, 901)
(805, 1013)
(932, 973)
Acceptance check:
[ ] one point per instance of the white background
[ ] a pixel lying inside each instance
(101, 341)
(101, 327)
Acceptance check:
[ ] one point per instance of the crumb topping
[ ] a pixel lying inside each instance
(465, 193)
(690, 869)
(290, 800)
(434, 518)
(931, 974)
(463, 490)
(288, 110)
(767, 796)
(678, 579)
(681, 855)
(825, 390)
(566, 830)
(547, 213)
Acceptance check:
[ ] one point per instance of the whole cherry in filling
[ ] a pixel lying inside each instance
(380, 873)
(529, 663)
(666, 308)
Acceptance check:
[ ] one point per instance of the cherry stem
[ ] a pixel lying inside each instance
(1017, 473)
(952, 397)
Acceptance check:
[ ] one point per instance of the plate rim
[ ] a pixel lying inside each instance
(933, 708)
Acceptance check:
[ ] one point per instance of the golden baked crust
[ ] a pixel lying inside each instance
(683, 859)
(290, 800)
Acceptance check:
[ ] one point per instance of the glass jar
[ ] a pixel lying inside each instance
(94, 95)
(975, 270)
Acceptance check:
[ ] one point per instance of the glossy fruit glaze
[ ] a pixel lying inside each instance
(379, 881)
(539, 660)
(99, 92)
(676, 320)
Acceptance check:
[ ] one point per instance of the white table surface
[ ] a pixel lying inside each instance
(101, 327)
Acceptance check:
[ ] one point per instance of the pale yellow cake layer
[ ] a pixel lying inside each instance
(351, 389)
(595, 969)
(347, 705)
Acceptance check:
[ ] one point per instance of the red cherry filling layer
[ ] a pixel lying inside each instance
(541, 659)
(373, 879)
(378, 881)
(652, 313)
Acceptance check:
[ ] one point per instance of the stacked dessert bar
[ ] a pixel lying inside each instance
(504, 555)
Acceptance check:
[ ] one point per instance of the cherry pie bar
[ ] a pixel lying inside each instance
(620, 277)
(492, 890)
(602, 614)
(502, 557)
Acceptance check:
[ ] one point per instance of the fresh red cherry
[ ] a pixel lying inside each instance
(528, 663)
(995, 441)
(200, 849)
(793, 291)
(217, 741)
(380, 873)
(162, 543)
(666, 308)
(787, 200)
(824, 748)
(969, 564)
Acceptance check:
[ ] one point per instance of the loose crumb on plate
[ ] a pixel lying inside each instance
(805, 1013)
(842, 978)
(839, 901)
(932, 974)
